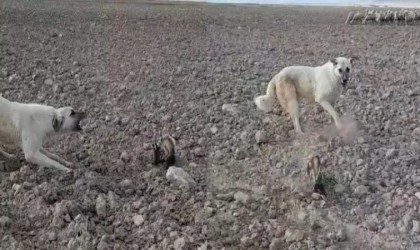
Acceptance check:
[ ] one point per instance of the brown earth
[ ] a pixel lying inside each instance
(142, 69)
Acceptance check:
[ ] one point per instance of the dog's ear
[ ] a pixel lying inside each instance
(57, 122)
(334, 61)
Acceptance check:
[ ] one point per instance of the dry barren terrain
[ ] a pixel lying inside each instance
(143, 69)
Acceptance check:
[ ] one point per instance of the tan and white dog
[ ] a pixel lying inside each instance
(319, 84)
(25, 126)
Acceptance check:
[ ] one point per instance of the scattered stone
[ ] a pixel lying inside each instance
(240, 154)
(416, 132)
(339, 188)
(214, 130)
(231, 108)
(341, 234)
(5, 221)
(416, 226)
(126, 183)
(100, 206)
(48, 81)
(138, 220)
(52, 236)
(361, 190)
(125, 157)
(261, 137)
(293, 235)
(179, 177)
(390, 153)
(179, 243)
(276, 244)
(241, 197)
(417, 194)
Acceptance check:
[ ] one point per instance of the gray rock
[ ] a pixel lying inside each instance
(103, 245)
(214, 130)
(361, 190)
(293, 235)
(275, 244)
(390, 153)
(339, 188)
(48, 81)
(261, 137)
(416, 132)
(240, 154)
(179, 177)
(242, 197)
(125, 157)
(416, 226)
(5, 221)
(138, 220)
(179, 243)
(101, 206)
(231, 108)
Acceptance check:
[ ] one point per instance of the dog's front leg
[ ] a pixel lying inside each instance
(55, 157)
(330, 109)
(7, 155)
(41, 159)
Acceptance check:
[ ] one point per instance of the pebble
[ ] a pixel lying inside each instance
(390, 153)
(361, 190)
(5, 221)
(241, 197)
(138, 220)
(293, 235)
(240, 154)
(179, 177)
(261, 137)
(48, 81)
(214, 130)
(179, 243)
(276, 244)
(231, 108)
(339, 188)
(125, 157)
(416, 226)
(100, 206)
(417, 194)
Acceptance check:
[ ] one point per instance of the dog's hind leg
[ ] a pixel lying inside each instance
(7, 155)
(55, 157)
(287, 96)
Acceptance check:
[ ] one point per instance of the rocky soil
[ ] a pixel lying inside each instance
(142, 69)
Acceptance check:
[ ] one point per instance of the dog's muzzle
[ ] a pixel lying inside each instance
(344, 81)
(79, 116)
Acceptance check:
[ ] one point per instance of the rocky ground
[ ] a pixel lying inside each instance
(142, 69)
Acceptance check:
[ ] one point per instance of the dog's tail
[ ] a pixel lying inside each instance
(266, 102)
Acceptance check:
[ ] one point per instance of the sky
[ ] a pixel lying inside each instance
(389, 3)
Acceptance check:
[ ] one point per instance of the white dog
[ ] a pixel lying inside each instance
(26, 125)
(320, 84)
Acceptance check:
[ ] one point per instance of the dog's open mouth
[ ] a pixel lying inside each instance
(78, 127)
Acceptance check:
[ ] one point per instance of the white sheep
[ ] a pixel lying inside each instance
(369, 16)
(349, 17)
(356, 17)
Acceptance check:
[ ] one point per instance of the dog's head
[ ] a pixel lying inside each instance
(342, 68)
(66, 119)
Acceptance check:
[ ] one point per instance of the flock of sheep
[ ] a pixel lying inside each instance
(384, 16)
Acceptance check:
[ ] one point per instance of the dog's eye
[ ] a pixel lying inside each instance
(340, 71)
(347, 70)
(72, 112)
